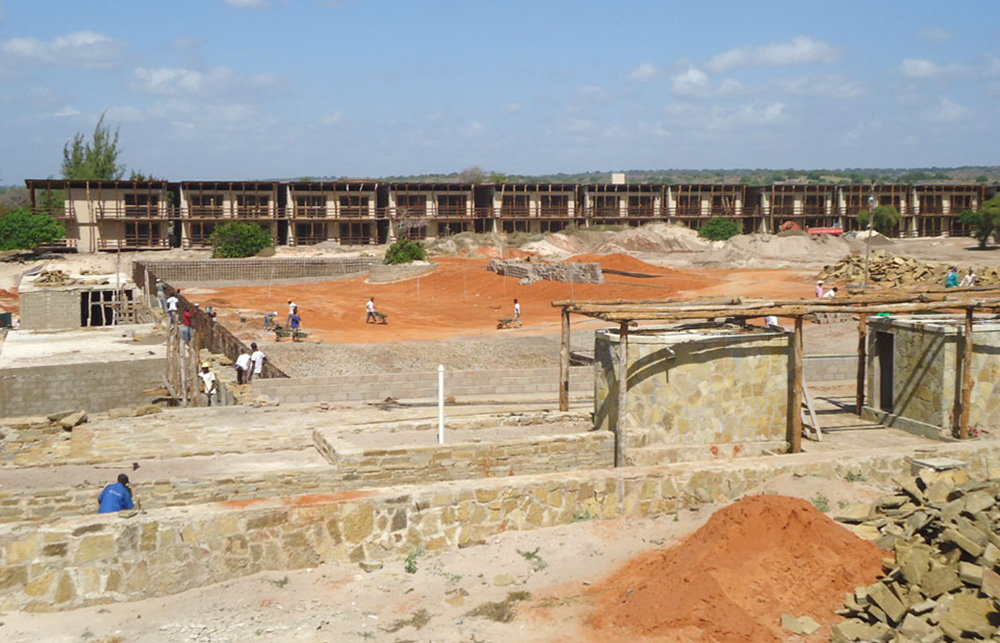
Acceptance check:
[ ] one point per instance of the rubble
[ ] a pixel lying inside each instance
(942, 585)
(889, 270)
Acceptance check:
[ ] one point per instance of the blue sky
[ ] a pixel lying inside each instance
(244, 89)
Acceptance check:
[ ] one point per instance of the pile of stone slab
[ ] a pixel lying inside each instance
(60, 278)
(889, 270)
(942, 585)
(530, 272)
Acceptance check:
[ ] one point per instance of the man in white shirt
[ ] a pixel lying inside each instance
(830, 294)
(771, 322)
(517, 313)
(257, 359)
(969, 280)
(370, 307)
(208, 379)
(291, 311)
(172, 306)
(243, 368)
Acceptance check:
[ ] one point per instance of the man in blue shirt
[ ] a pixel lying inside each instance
(116, 497)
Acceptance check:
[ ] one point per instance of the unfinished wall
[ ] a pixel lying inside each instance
(92, 386)
(695, 388)
(50, 309)
(258, 270)
(88, 560)
(384, 274)
(589, 273)
(347, 388)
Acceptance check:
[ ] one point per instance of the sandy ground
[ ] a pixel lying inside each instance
(341, 602)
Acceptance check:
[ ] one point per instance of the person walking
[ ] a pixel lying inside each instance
(517, 313)
(291, 311)
(243, 368)
(186, 326)
(160, 296)
(209, 382)
(269, 320)
(257, 360)
(951, 281)
(294, 323)
(370, 307)
(969, 280)
(116, 497)
(172, 306)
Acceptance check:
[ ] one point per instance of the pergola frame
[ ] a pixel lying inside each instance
(627, 312)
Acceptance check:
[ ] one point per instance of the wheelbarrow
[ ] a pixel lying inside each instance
(281, 332)
(508, 322)
(380, 317)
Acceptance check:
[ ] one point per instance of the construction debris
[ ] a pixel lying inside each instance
(943, 583)
(892, 271)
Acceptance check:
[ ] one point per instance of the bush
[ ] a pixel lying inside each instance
(719, 229)
(236, 239)
(405, 251)
(22, 230)
(886, 217)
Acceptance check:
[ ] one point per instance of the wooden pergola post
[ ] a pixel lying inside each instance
(965, 364)
(795, 426)
(859, 398)
(621, 435)
(564, 363)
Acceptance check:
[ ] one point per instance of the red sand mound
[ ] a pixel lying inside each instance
(730, 581)
(621, 262)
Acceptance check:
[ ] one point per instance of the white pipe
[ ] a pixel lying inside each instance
(440, 403)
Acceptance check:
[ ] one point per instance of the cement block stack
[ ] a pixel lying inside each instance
(943, 584)
(893, 271)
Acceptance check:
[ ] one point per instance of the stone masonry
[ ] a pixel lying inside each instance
(578, 273)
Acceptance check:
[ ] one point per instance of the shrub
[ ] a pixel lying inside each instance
(22, 230)
(235, 239)
(405, 251)
(719, 229)
(886, 217)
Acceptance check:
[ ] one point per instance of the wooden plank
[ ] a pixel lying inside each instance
(810, 409)
(564, 351)
(859, 396)
(621, 434)
(795, 430)
(966, 365)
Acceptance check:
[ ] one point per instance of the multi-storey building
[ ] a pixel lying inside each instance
(142, 215)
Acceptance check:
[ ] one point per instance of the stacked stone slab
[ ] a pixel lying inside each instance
(887, 269)
(943, 585)
(528, 273)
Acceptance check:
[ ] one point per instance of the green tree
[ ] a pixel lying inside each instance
(719, 229)
(236, 239)
(405, 251)
(93, 160)
(985, 221)
(22, 230)
(885, 218)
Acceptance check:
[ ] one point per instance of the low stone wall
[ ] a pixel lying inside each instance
(95, 387)
(347, 388)
(255, 270)
(578, 273)
(88, 560)
(384, 274)
(422, 464)
(829, 368)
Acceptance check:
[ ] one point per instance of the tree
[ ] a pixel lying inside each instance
(719, 229)
(471, 175)
(886, 217)
(405, 251)
(94, 160)
(236, 239)
(22, 230)
(984, 221)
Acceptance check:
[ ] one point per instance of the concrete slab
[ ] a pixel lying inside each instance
(25, 348)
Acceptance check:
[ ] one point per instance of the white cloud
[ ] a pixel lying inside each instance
(591, 93)
(644, 72)
(331, 119)
(825, 86)
(920, 68)
(936, 35)
(991, 65)
(181, 82)
(186, 44)
(512, 108)
(67, 112)
(248, 4)
(85, 49)
(799, 51)
(947, 111)
(720, 118)
(123, 114)
(692, 82)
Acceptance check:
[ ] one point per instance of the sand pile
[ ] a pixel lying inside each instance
(731, 580)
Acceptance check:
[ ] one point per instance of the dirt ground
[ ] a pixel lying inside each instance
(561, 570)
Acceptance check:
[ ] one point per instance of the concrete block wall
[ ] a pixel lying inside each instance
(94, 387)
(260, 270)
(55, 309)
(829, 368)
(347, 388)
(74, 562)
(383, 274)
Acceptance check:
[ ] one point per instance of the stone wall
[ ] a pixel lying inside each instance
(700, 387)
(578, 273)
(829, 368)
(464, 384)
(40, 390)
(255, 270)
(926, 383)
(73, 562)
(50, 309)
(384, 274)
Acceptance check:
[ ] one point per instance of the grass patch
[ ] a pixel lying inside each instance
(418, 620)
(502, 611)
(281, 582)
(532, 557)
(821, 502)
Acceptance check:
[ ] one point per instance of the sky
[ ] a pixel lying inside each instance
(272, 89)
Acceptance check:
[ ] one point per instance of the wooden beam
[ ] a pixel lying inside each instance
(795, 425)
(966, 363)
(621, 434)
(859, 396)
(564, 363)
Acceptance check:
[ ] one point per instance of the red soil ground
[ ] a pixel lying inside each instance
(730, 581)
(462, 298)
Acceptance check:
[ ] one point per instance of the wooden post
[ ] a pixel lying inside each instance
(621, 435)
(966, 364)
(795, 426)
(564, 363)
(859, 397)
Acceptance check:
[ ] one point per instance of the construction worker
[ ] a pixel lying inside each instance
(210, 383)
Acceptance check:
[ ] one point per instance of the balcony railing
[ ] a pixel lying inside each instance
(133, 243)
(452, 211)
